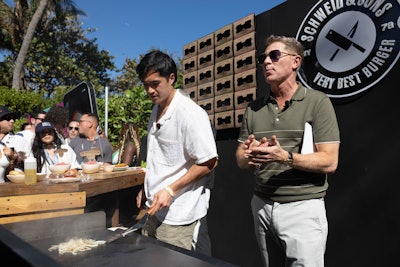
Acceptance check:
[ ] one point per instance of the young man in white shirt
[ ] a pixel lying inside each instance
(181, 151)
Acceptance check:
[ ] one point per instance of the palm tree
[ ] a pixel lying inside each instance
(19, 64)
(67, 6)
(12, 23)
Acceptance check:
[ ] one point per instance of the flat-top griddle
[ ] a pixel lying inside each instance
(132, 250)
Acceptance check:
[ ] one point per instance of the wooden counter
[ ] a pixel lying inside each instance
(100, 183)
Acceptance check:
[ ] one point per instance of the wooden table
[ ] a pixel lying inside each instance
(100, 183)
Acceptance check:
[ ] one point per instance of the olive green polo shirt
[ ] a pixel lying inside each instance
(263, 118)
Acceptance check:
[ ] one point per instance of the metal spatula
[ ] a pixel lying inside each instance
(131, 229)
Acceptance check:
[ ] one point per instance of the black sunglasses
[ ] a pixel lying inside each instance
(76, 128)
(7, 118)
(274, 55)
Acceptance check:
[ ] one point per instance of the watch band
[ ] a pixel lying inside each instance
(289, 161)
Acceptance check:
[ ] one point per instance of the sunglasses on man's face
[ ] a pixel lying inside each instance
(72, 128)
(7, 118)
(274, 55)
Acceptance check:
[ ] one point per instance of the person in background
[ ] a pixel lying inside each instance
(73, 130)
(6, 156)
(8, 139)
(89, 138)
(288, 202)
(48, 149)
(29, 134)
(127, 152)
(129, 146)
(59, 117)
(25, 126)
(181, 151)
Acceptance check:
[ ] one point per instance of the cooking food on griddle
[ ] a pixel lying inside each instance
(74, 246)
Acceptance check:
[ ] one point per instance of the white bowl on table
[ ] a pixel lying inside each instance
(109, 168)
(90, 167)
(16, 178)
(59, 168)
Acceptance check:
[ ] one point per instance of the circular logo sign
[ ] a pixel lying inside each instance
(349, 45)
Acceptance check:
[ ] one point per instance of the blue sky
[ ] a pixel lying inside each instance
(130, 28)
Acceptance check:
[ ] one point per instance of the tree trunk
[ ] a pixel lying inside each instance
(19, 64)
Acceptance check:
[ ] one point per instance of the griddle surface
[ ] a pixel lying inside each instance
(132, 250)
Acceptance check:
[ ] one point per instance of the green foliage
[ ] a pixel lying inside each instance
(143, 164)
(61, 54)
(128, 79)
(6, 69)
(22, 103)
(132, 106)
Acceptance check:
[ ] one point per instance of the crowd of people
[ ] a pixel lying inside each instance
(51, 138)
(288, 202)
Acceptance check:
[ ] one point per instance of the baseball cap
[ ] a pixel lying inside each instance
(5, 111)
(43, 126)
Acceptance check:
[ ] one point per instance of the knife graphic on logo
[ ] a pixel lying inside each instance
(342, 41)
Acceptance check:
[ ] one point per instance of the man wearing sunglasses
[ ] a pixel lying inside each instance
(73, 130)
(9, 139)
(288, 202)
(89, 138)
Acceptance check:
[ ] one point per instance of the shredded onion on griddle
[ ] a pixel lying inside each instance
(74, 246)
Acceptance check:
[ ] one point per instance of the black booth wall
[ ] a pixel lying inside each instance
(362, 199)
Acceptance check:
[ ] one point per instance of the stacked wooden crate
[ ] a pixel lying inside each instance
(220, 72)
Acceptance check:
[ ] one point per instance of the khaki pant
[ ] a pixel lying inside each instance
(178, 235)
(291, 234)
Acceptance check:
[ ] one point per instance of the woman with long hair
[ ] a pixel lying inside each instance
(48, 149)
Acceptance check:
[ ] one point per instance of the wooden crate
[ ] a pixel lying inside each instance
(223, 68)
(205, 75)
(224, 120)
(244, 26)
(244, 44)
(190, 50)
(224, 51)
(245, 62)
(192, 92)
(205, 59)
(207, 105)
(224, 85)
(223, 35)
(245, 97)
(190, 64)
(205, 43)
(205, 91)
(245, 80)
(190, 79)
(223, 102)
